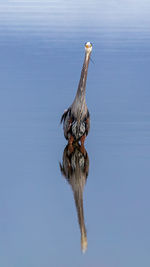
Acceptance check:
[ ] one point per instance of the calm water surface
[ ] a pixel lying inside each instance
(41, 51)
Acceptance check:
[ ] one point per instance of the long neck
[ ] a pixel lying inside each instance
(82, 83)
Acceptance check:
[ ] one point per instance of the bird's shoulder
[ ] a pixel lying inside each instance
(66, 112)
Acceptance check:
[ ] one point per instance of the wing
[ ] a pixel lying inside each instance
(87, 123)
(67, 122)
(63, 117)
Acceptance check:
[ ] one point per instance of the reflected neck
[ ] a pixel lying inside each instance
(78, 197)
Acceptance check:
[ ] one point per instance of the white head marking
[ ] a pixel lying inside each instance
(88, 47)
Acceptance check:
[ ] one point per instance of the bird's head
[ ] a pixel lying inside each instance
(88, 47)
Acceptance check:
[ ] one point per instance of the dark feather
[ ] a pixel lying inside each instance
(64, 116)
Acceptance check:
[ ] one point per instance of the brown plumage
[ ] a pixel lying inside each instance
(76, 119)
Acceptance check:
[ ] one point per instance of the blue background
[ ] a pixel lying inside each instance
(41, 55)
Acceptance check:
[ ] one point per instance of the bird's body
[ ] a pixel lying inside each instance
(76, 119)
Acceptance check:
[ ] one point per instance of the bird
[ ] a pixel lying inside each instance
(76, 119)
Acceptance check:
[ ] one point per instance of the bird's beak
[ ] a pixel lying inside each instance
(88, 46)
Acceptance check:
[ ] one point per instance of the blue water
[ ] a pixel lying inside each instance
(41, 55)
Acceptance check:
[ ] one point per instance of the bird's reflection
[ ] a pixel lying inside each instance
(75, 167)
